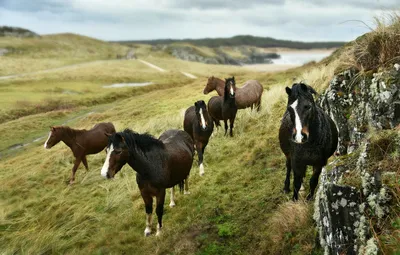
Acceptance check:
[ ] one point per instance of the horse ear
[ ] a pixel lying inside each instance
(304, 87)
(233, 78)
(288, 91)
(312, 90)
(195, 104)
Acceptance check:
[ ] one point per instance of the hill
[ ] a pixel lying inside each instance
(16, 32)
(240, 40)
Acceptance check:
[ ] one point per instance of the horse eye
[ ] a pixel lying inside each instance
(118, 152)
(307, 107)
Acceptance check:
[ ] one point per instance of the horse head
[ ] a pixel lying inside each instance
(54, 137)
(117, 155)
(202, 114)
(230, 87)
(211, 85)
(302, 109)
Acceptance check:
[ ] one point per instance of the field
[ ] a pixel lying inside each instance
(236, 208)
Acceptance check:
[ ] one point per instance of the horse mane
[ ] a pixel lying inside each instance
(69, 131)
(298, 91)
(144, 143)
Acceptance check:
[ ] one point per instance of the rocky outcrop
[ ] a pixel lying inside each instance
(219, 56)
(16, 32)
(351, 192)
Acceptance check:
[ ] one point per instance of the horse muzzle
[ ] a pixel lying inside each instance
(304, 138)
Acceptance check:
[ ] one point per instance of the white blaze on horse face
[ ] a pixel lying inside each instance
(202, 120)
(232, 93)
(297, 122)
(104, 170)
(45, 144)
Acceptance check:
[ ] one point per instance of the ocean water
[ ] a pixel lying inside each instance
(300, 58)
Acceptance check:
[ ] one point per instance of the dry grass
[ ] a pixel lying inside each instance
(378, 49)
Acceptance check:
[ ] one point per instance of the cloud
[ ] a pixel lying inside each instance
(311, 20)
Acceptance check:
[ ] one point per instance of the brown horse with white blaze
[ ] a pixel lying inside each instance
(159, 163)
(249, 95)
(81, 142)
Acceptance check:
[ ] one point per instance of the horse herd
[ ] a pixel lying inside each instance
(307, 137)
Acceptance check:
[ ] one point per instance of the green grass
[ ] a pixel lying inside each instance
(227, 211)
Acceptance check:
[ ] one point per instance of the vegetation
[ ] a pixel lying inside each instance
(16, 31)
(262, 42)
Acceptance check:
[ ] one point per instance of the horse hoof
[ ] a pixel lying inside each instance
(147, 232)
(186, 192)
(171, 204)
(71, 182)
(286, 191)
(201, 169)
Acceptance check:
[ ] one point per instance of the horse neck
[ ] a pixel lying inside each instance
(219, 86)
(141, 163)
(69, 136)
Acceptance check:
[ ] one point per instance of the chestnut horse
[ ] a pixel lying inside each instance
(224, 107)
(307, 136)
(160, 164)
(199, 125)
(249, 95)
(81, 142)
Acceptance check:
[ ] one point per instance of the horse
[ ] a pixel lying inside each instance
(159, 163)
(307, 136)
(224, 107)
(249, 95)
(199, 125)
(81, 142)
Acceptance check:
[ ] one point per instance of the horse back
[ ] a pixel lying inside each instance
(214, 107)
(95, 140)
(180, 151)
(250, 93)
(189, 120)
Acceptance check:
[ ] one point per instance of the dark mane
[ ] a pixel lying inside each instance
(226, 90)
(298, 91)
(143, 142)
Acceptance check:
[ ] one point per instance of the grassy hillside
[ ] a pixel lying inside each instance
(262, 42)
(50, 51)
(228, 211)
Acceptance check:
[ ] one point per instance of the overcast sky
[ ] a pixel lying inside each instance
(305, 20)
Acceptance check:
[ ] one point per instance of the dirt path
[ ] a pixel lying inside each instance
(152, 66)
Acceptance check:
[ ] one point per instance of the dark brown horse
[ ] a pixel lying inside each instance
(307, 136)
(249, 95)
(224, 107)
(81, 142)
(160, 164)
(199, 125)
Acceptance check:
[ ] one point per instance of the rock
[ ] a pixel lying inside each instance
(358, 103)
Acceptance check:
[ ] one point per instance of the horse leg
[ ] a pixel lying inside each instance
(231, 121)
(314, 181)
(172, 203)
(186, 191)
(226, 126)
(298, 172)
(84, 161)
(286, 188)
(74, 168)
(199, 148)
(258, 105)
(160, 209)
(148, 203)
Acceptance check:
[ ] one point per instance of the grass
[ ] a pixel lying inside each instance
(226, 213)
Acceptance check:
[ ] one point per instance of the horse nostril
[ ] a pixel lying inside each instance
(304, 137)
(294, 136)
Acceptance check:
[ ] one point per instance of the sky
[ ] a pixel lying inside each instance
(302, 20)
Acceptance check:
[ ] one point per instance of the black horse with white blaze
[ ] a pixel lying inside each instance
(307, 136)
(160, 164)
(199, 125)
